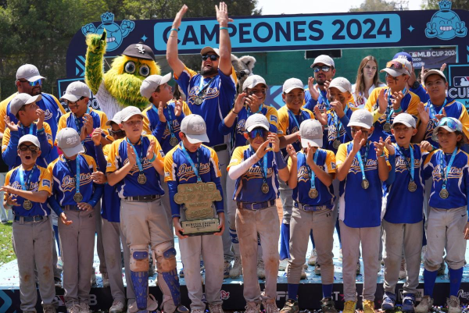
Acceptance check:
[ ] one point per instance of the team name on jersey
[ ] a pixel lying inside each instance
(68, 182)
(33, 186)
(454, 172)
(369, 166)
(401, 164)
(303, 174)
(185, 171)
(240, 129)
(211, 92)
(332, 132)
(256, 172)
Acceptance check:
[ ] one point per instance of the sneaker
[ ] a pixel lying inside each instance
(313, 258)
(290, 306)
(260, 269)
(349, 307)
(237, 268)
(408, 303)
(328, 305)
(425, 305)
(358, 268)
(48, 308)
(84, 308)
(226, 269)
(197, 311)
(152, 304)
(182, 309)
(402, 271)
(441, 270)
(74, 308)
(283, 265)
(317, 269)
(117, 307)
(389, 299)
(251, 307)
(303, 274)
(270, 306)
(368, 306)
(453, 304)
(58, 282)
(215, 308)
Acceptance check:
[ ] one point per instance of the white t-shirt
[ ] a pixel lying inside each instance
(360, 99)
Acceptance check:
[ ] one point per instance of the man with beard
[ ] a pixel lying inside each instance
(324, 70)
(210, 94)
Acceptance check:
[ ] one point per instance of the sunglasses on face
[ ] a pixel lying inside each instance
(212, 57)
(324, 68)
(34, 83)
(31, 148)
(116, 133)
(258, 132)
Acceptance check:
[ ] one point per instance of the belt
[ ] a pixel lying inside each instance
(254, 206)
(71, 207)
(312, 208)
(220, 147)
(30, 219)
(143, 198)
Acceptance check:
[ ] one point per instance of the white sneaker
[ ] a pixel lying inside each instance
(260, 269)
(48, 308)
(313, 258)
(252, 307)
(152, 304)
(270, 306)
(283, 265)
(74, 308)
(425, 305)
(453, 304)
(237, 268)
(215, 308)
(117, 307)
(84, 308)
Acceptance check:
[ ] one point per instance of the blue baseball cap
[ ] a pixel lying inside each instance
(404, 55)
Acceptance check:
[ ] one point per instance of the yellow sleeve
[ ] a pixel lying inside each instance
(45, 181)
(3, 111)
(386, 153)
(7, 183)
(341, 154)
(311, 114)
(146, 122)
(112, 155)
(6, 139)
(62, 124)
(289, 164)
(412, 108)
(90, 160)
(283, 122)
(48, 132)
(103, 118)
(185, 109)
(464, 118)
(372, 99)
(189, 72)
(59, 105)
(330, 162)
(236, 158)
(214, 157)
(169, 174)
(272, 116)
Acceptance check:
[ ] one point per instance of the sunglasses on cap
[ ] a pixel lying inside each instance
(212, 57)
(324, 68)
(258, 132)
(34, 83)
(396, 65)
(449, 122)
(31, 148)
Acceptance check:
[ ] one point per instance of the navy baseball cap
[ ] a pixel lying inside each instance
(404, 55)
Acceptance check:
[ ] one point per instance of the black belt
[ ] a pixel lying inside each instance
(143, 198)
(72, 207)
(220, 147)
(254, 206)
(29, 219)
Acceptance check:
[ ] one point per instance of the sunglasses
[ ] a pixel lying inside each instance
(34, 83)
(258, 132)
(212, 57)
(31, 148)
(396, 65)
(324, 68)
(119, 132)
(449, 122)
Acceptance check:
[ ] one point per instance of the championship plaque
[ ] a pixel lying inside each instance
(198, 208)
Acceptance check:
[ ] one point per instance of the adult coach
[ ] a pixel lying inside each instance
(211, 93)
(324, 71)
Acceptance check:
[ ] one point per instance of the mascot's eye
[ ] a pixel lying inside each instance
(129, 67)
(144, 70)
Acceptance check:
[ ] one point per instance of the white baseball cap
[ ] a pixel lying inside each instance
(341, 83)
(75, 91)
(116, 119)
(311, 133)
(21, 100)
(29, 138)
(206, 50)
(128, 112)
(254, 80)
(68, 140)
(406, 119)
(255, 121)
(152, 82)
(323, 59)
(434, 72)
(193, 126)
(28, 72)
(361, 118)
(398, 67)
(292, 83)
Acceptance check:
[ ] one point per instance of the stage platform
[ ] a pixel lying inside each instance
(310, 291)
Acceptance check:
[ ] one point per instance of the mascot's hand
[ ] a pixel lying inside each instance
(97, 43)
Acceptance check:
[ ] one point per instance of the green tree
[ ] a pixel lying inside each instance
(456, 4)
(376, 5)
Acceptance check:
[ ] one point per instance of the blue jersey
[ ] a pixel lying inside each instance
(218, 96)
(288, 124)
(310, 103)
(337, 129)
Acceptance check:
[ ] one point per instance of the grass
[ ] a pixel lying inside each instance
(6, 249)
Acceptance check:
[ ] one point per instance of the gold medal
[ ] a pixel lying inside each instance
(387, 127)
(412, 186)
(78, 197)
(313, 193)
(336, 144)
(173, 141)
(27, 205)
(265, 188)
(444, 194)
(365, 184)
(142, 179)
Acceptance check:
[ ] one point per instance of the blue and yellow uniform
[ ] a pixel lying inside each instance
(337, 128)
(310, 103)
(111, 203)
(289, 123)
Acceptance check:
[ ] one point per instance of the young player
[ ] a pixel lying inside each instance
(26, 190)
(448, 225)
(74, 191)
(312, 171)
(135, 164)
(254, 167)
(361, 169)
(180, 168)
(403, 216)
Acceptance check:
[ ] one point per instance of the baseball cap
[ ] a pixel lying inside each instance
(75, 91)
(292, 83)
(28, 72)
(29, 138)
(21, 100)
(68, 140)
(152, 82)
(255, 121)
(311, 132)
(207, 49)
(434, 72)
(116, 119)
(361, 118)
(397, 67)
(341, 83)
(404, 55)
(450, 124)
(139, 51)
(193, 126)
(324, 59)
(128, 112)
(253, 80)
(406, 119)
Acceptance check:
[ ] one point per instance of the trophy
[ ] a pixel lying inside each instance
(200, 218)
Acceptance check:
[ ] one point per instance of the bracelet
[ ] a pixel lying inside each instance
(174, 29)
(234, 112)
(40, 130)
(153, 158)
(398, 110)
(382, 155)
(224, 28)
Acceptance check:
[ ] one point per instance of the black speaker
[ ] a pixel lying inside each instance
(312, 54)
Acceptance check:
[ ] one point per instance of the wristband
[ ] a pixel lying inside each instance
(382, 155)
(174, 29)
(153, 158)
(234, 112)
(40, 130)
(398, 110)
(223, 28)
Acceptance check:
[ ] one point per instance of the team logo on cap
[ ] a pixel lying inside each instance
(140, 48)
(71, 141)
(199, 127)
(312, 132)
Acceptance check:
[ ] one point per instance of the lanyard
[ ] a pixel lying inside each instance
(203, 86)
(25, 185)
(30, 128)
(324, 97)
(77, 175)
(169, 120)
(139, 157)
(337, 121)
(389, 111)
(448, 166)
(258, 111)
(264, 165)
(293, 117)
(362, 161)
(410, 168)
(77, 120)
(312, 175)
(188, 158)
(432, 108)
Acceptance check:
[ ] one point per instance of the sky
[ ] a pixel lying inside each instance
(315, 6)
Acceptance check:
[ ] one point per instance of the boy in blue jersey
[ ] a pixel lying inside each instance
(27, 188)
(312, 171)
(362, 167)
(135, 164)
(403, 213)
(188, 163)
(255, 167)
(75, 192)
(448, 224)
(324, 71)
(25, 109)
(413, 83)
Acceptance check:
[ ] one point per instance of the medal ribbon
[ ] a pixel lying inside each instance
(293, 117)
(77, 175)
(139, 157)
(78, 120)
(189, 159)
(432, 108)
(337, 122)
(324, 97)
(448, 166)
(312, 175)
(360, 160)
(169, 120)
(30, 128)
(25, 185)
(258, 111)
(410, 168)
(389, 111)
(264, 165)
(203, 86)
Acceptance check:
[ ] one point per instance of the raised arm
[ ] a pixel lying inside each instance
(225, 43)
(172, 46)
